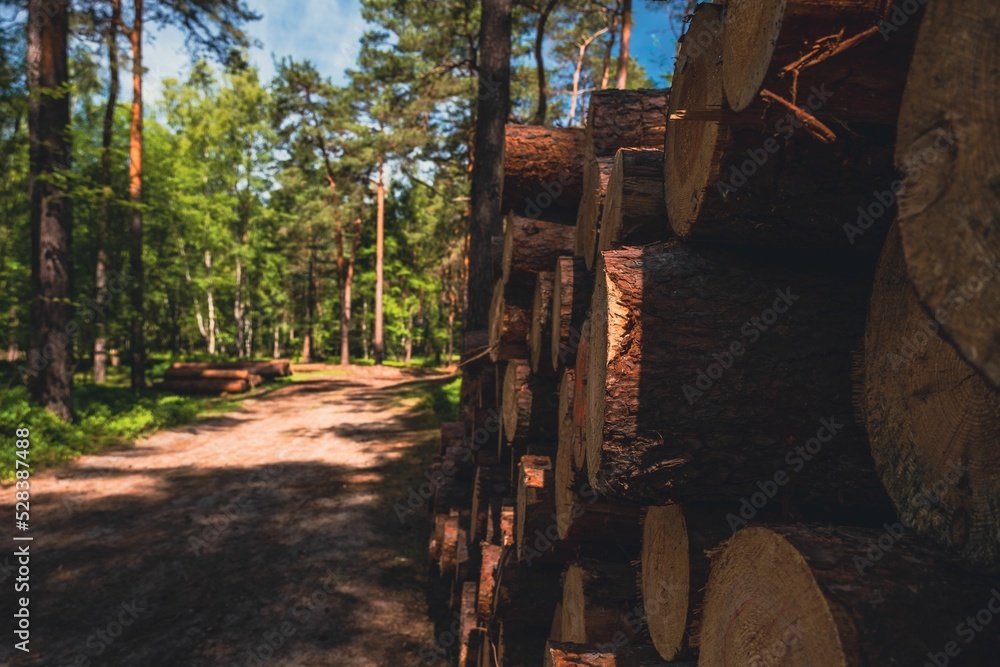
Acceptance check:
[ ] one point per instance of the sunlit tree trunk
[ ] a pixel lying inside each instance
(379, 343)
(581, 54)
(307, 351)
(543, 98)
(211, 303)
(107, 197)
(408, 347)
(622, 79)
(364, 331)
(138, 345)
(50, 369)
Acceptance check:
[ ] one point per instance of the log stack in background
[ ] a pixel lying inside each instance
(712, 420)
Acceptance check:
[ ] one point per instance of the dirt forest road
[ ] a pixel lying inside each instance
(266, 536)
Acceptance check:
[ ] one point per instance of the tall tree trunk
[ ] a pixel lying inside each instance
(609, 48)
(574, 99)
(408, 347)
(379, 262)
(543, 100)
(487, 168)
(239, 310)
(211, 303)
(51, 362)
(310, 309)
(364, 330)
(345, 302)
(626, 40)
(138, 350)
(107, 136)
(276, 347)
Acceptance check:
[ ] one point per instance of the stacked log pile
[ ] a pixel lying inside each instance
(232, 377)
(729, 410)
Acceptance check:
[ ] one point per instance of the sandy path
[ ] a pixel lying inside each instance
(265, 536)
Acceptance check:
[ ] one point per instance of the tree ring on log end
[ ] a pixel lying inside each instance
(751, 33)
(666, 578)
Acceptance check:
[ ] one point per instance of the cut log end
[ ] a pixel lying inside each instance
(666, 577)
(933, 421)
(762, 581)
(691, 154)
(541, 323)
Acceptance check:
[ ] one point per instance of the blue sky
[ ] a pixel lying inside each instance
(327, 31)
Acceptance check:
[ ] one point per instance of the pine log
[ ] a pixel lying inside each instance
(758, 179)
(269, 369)
(475, 350)
(496, 256)
(569, 654)
(675, 568)
(543, 171)
(580, 396)
(626, 119)
(448, 562)
(555, 631)
(599, 601)
(531, 246)
(934, 422)
(794, 45)
(437, 538)
(189, 373)
(947, 149)
(519, 645)
(581, 515)
(803, 597)
(527, 594)
(634, 212)
(452, 435)
(510, 322)
(500, 529)
(211, 386)
(709, 374)
(487, 580)
(467, 621)
(535, 529)
(529, 406)
(476, 644)
(488, 489)
(540, 336)
(573, 286)
(596, 175)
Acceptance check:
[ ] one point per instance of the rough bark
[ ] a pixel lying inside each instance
(674, 572)
(493, 103)
(947, 150)
(532, 246)
(634, 212)
(543, 172)
(599, 602)
(570, 303)
(569, 654)
(50, 363)
(540, 335)
(709, 373)
(790, 46)
(529, 406)
(487, 580)
(509, 323)
(773, 176)
(378, 344)
(597, 173)
(626, 119)
(137, 291)
(813, 596)
(535, 508)
(934, 422)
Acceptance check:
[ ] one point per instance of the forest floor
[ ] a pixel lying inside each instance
(265, 536)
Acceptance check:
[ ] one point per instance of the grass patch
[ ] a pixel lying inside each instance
(107, 415)
(436, 401)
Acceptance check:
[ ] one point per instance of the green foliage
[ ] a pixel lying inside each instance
(107, 416)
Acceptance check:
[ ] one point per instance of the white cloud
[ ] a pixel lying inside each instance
(325, 32)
